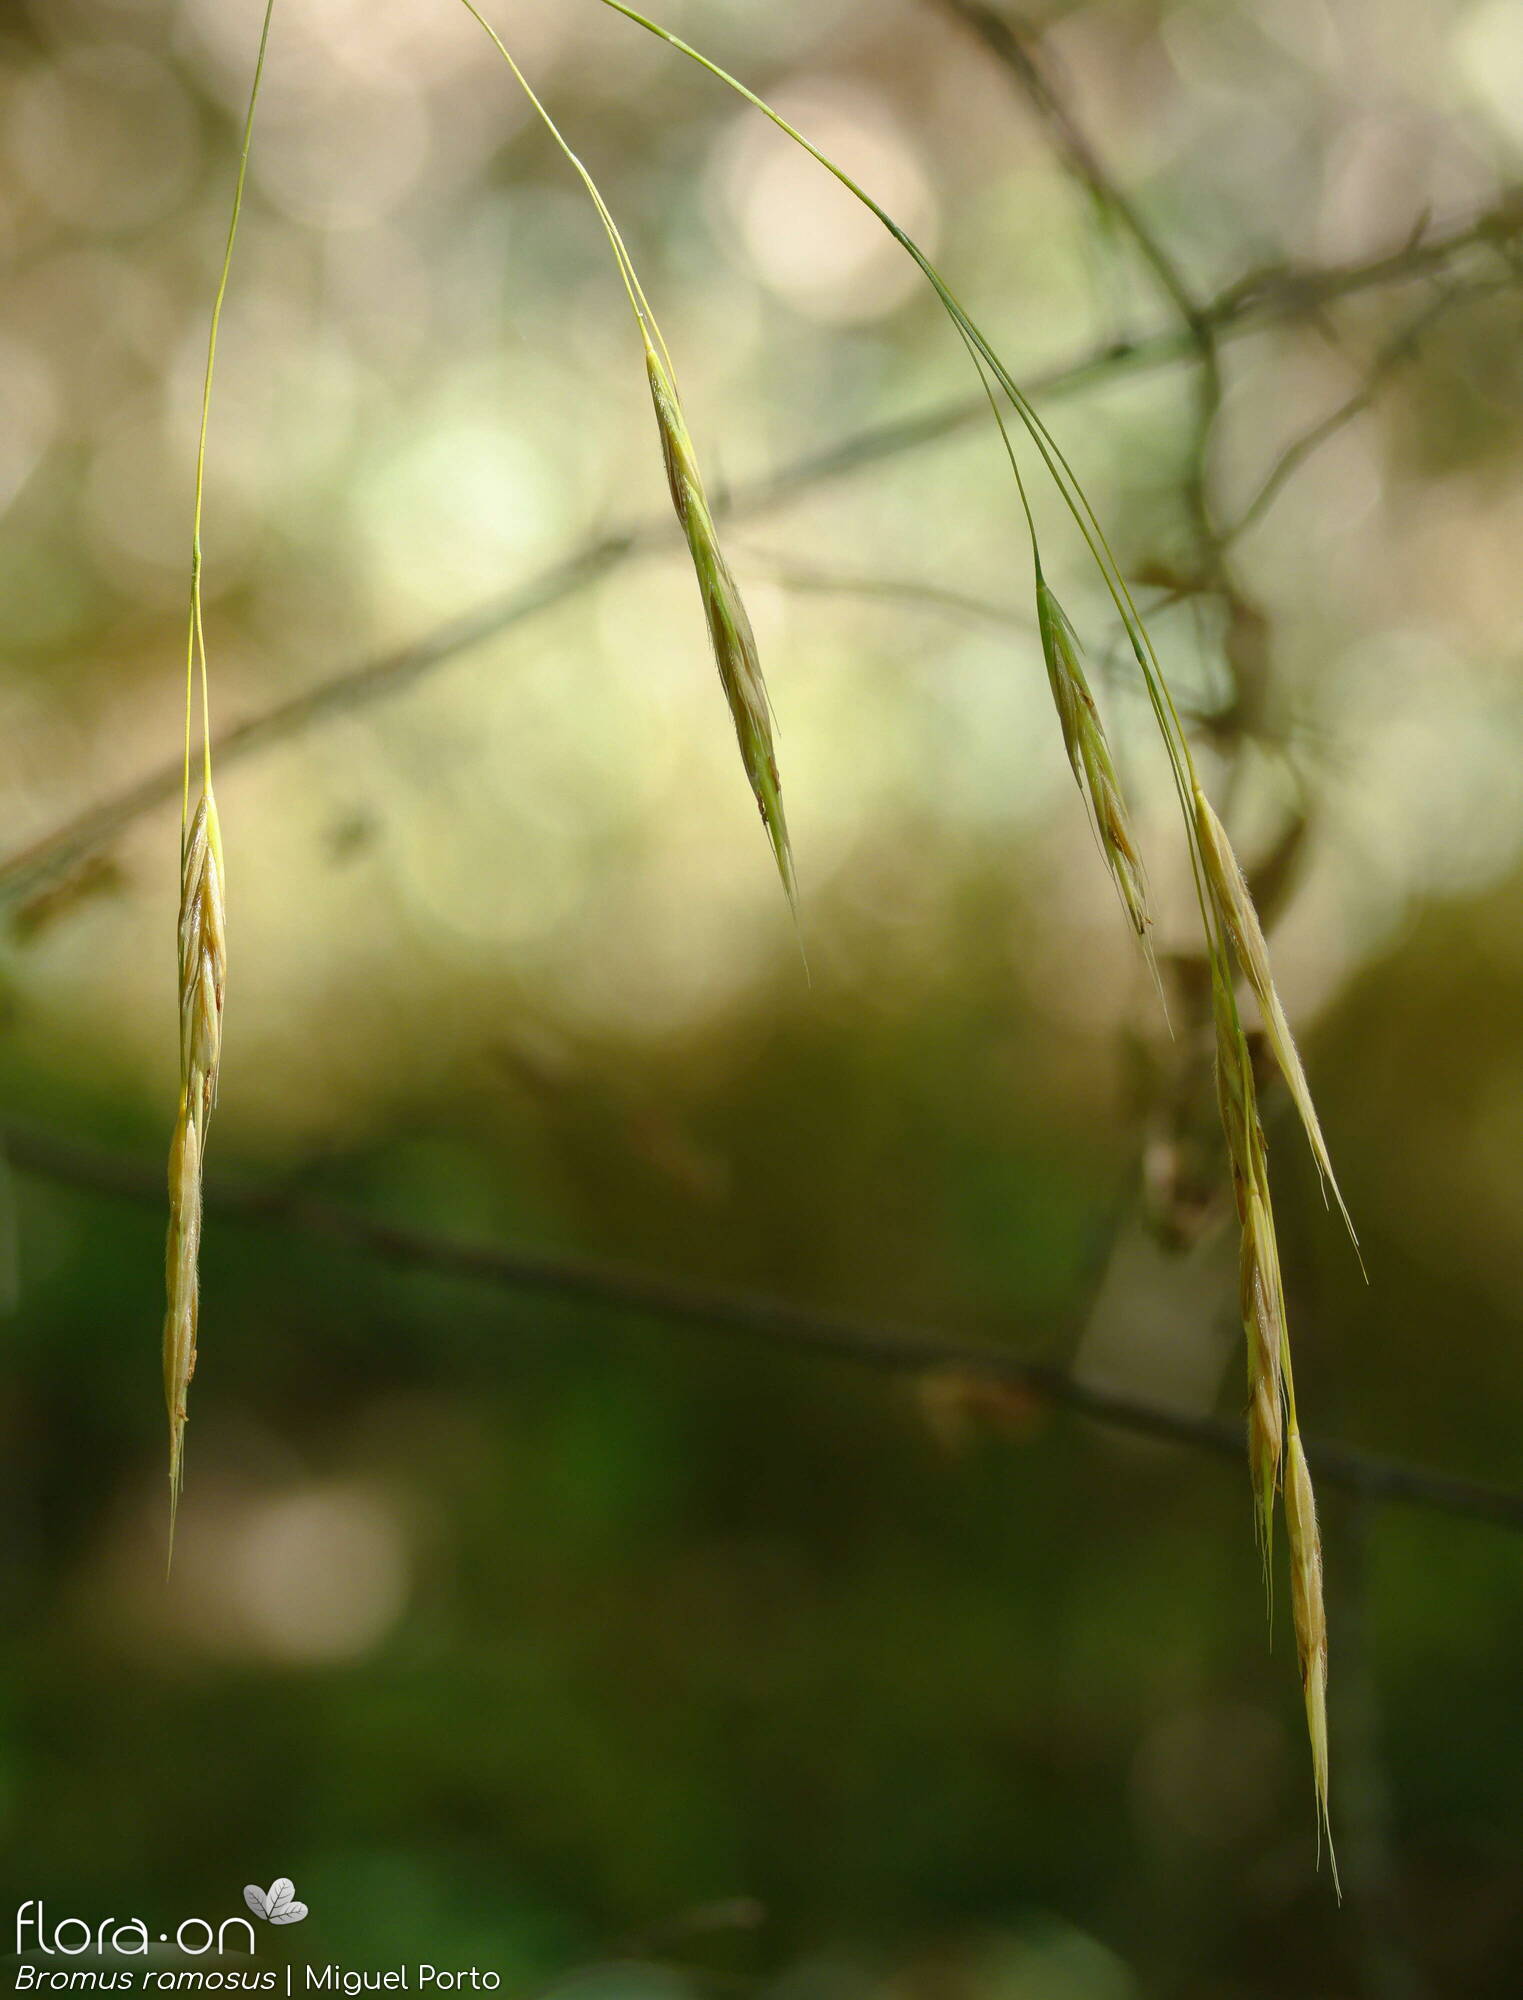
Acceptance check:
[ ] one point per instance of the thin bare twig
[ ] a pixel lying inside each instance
(804, 580)
(1019, 54)
(888, 1349)
(1015, 49)
(1258, 299)
(1401, 347)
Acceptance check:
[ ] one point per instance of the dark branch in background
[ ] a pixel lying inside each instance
(887, 1349)
(805, 580)
(1400, 348)
(1259, 299)
(1014, 48)
(1018, 53)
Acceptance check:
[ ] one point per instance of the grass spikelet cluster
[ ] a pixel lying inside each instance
(1233, 940)
(730, 633)
(1276, 1458)
(202, 937)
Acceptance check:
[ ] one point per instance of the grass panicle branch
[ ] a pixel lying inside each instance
(902, 1349)
(730, 632)
(202, 932)
(1230, 925)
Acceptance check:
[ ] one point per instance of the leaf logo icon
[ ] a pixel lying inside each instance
(278, 1905)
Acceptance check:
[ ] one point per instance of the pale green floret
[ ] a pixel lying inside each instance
(1236, 1097)
(1310, 1617)
(203, 983)
(1234, 905)
(730, 633)
(1263, 1312)
(1089, 755)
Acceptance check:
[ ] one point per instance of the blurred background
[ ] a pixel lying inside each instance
(627, 1655)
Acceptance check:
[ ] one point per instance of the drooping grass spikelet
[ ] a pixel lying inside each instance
(1260, 1288)
(1089, 755)
(1263, 1314)
(730, 633)
(203, 955)
(1236, 1093)
(1310, 1615)
(182, 1286)
(203, 984)
(202, 937)
(1234, 903)
(1226, 908)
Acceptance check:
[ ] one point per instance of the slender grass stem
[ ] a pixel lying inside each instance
(196, 640)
